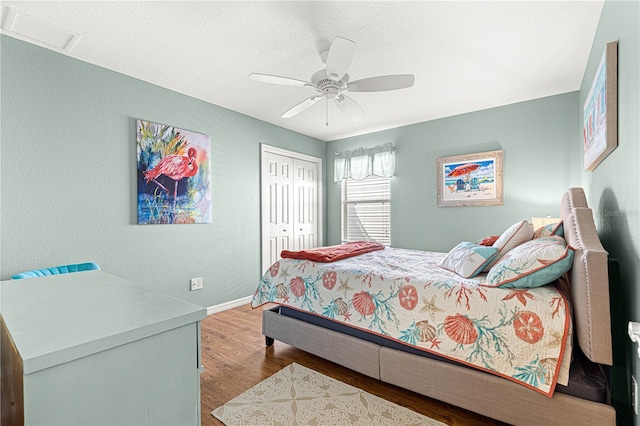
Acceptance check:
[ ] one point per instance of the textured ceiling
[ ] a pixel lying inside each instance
(466, 56)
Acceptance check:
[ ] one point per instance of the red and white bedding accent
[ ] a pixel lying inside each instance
(522, 335)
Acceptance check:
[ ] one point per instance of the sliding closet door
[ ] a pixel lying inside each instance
(291, 204)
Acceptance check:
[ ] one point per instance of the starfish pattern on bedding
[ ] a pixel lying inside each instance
(556, 339)
(344, 286)
(430, 307)
(519, 294)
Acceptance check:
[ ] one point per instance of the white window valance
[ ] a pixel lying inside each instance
(360, 163)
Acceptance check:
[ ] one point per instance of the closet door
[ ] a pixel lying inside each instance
(291, 187)
(305, 187)
(277, 206)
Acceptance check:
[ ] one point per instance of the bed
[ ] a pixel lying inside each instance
(439, 356)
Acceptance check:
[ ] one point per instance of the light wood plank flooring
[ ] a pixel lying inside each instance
(235, 359)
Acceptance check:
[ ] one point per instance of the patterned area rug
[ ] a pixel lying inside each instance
(297, 395)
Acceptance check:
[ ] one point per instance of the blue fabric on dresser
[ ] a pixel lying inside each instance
(57, 270)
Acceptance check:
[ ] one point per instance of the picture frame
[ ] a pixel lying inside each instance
(173, 175)
(600, 112)
(470, 180)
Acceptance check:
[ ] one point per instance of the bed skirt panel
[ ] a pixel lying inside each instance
(488, 395)
(355, 354)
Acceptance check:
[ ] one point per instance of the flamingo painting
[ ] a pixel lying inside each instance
(175, 167)
(173, 175)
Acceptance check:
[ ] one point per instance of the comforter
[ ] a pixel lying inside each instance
(519, 334)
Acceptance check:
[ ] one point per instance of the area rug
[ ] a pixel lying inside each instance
(297, 395)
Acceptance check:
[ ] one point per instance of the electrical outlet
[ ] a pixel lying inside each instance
(634, 395)
(196, 283)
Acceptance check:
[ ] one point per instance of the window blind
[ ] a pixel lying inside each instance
(366, 210)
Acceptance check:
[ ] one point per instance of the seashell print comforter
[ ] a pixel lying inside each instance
(522, 335)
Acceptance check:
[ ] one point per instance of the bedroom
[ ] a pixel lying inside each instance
(67, 161)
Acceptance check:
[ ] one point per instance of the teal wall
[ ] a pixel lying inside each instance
(536, 138)
(613, 189)
(68, 178)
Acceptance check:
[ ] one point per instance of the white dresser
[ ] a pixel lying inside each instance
(91, 348)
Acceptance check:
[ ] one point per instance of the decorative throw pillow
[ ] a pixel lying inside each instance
(549, 230)
(488, 241)
(532, 264)
(515, 235)
(468, 259)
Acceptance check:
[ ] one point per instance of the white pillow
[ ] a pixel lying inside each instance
(516, 234)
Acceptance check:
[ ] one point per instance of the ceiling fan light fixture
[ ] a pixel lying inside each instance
(349, 107)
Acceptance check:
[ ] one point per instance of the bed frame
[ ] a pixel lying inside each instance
(475, 390)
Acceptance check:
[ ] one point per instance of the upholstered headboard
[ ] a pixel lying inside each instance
(589, 278)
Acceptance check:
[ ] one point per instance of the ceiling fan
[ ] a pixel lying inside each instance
(333, 81)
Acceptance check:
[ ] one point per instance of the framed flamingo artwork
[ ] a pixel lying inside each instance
(470, 180)
(174, 179)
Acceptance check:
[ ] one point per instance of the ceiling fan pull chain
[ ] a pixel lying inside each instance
(327, 104)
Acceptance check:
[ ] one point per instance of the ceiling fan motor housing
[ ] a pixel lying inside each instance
(327, 86)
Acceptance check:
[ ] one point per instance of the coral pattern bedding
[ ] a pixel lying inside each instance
(521, 334)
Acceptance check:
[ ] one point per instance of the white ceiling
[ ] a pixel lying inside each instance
(466, 56)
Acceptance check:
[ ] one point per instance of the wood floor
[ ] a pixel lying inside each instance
(235, 359)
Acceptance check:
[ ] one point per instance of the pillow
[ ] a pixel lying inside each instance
(468, 259)
(488, 241)
(532, 264)
(515, 235)
(549, 230)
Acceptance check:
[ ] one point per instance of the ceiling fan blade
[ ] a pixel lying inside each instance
(382, 83)
(274, 79)
(339, 57)
(301, 106)
(349, 107)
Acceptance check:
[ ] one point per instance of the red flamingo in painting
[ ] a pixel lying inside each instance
(176, 167)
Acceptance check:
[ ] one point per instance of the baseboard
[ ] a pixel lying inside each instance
(228, 305)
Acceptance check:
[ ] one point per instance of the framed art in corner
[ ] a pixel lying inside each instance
(600, 125)
(173, 175)
(470, 180)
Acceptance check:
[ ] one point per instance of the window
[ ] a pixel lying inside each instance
(366, 210)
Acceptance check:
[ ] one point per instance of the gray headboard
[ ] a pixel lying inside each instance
(589, 278)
